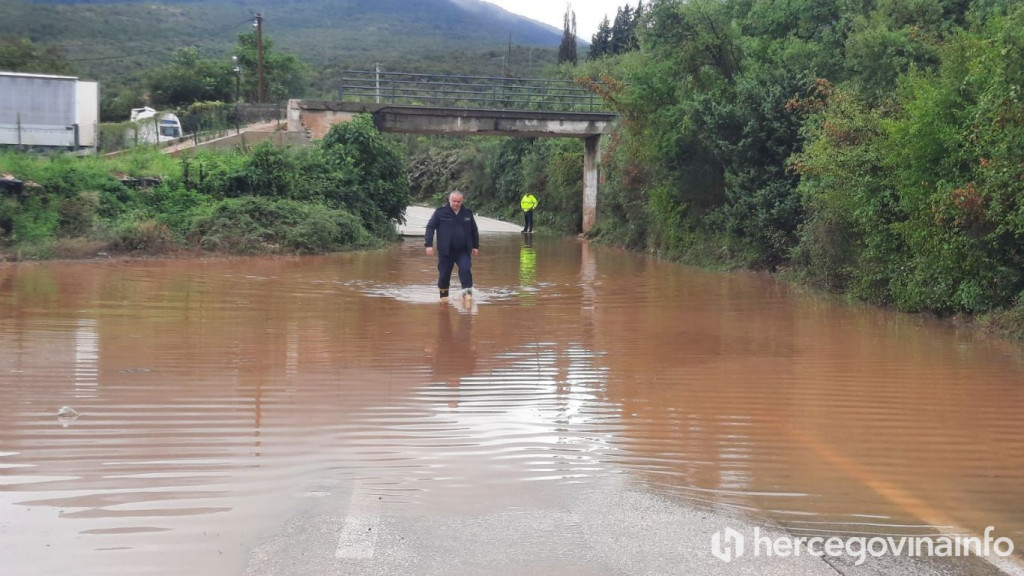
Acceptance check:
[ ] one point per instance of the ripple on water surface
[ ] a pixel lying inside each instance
(213, 399)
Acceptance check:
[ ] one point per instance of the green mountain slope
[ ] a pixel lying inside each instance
(116, 41)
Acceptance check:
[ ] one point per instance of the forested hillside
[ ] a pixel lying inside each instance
(119, 43)
(319, 31)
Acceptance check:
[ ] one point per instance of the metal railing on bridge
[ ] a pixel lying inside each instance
(483, 92)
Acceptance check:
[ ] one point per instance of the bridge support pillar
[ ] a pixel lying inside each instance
(591, 161)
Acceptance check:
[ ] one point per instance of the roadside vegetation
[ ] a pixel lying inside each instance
(344, 193)
(873, 149)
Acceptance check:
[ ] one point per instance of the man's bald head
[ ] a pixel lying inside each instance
(455, 200)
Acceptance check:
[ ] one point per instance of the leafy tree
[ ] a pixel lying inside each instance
(190, 78)
(283, 73)
(697, 37)
(567, 49)
(927, 16)
(877, 56)
(848, 241)
(21, 55)
(116, 104)
(372, 170)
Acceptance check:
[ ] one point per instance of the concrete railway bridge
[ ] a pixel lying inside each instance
(468, 105)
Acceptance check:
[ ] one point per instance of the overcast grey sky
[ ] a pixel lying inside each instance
(589, 13)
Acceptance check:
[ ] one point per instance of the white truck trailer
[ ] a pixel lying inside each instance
(43, 111)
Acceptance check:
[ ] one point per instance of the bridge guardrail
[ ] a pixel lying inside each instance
(467, 91)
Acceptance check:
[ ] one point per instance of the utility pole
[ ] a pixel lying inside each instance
(260, 91)
(238, 81)
(508, 67)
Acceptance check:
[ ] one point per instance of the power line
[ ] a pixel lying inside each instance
(132, 55)
(135, 54)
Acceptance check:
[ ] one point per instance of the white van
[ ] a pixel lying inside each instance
(153, 128)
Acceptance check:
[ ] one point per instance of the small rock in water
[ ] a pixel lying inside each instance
(66, 416)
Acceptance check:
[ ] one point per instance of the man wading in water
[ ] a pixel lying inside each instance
(458, 240)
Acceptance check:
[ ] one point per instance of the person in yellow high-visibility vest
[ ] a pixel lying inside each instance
(528, 204)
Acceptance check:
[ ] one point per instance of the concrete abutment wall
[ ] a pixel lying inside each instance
(591, 180)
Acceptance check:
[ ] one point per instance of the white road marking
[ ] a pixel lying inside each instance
(359, 534)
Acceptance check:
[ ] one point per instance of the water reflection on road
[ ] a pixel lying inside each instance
(216, 397)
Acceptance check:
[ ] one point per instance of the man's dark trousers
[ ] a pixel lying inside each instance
(445, 263)
(529, 221)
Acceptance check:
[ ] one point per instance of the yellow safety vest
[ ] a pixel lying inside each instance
(529, 202)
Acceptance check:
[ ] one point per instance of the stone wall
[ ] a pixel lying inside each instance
(316, 123)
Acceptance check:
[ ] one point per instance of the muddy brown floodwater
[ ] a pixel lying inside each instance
(213, 398)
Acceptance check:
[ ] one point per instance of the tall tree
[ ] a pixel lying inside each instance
(622, 30)
(634, 27)
(190, 78)
(567, 50)
(601, 41)
(285, 74)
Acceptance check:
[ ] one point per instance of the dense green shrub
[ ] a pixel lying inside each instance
(918, 206)
(255, 225)
(347, 193)
(114, 135)
(32, 220)
(433, 173)
(77, 213)
(212, 174)
(204, 117)
(367, 163)
(146, 236)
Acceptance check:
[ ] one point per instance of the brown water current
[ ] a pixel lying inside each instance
(213, 398)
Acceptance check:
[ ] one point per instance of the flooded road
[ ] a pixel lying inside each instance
(210, 402)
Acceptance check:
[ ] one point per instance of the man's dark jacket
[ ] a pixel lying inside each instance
(444, 221)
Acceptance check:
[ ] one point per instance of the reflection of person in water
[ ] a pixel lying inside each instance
(527, 271)
(455, 351)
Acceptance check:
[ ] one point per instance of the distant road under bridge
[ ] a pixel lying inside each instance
(468, 105)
